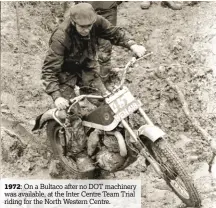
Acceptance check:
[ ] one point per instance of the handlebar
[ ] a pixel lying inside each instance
(130, 63)
(81, 97)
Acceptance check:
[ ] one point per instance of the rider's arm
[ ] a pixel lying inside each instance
(116, 35)
(52, 65)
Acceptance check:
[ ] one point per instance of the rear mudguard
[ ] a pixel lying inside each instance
(150, 131)
(43, 118)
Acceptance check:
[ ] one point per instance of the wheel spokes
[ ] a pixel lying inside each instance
(171, 175)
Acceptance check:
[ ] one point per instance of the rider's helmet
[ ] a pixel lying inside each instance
(83, 14)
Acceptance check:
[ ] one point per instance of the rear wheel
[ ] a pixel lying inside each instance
(173, 172)
(58, 144)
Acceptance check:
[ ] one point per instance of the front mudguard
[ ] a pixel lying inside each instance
(150, 131)
(43, 118)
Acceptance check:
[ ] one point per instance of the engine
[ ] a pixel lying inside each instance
(107, 151)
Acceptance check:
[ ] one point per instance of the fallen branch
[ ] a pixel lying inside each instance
(206, 136)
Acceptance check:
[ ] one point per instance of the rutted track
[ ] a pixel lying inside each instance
(183, 43)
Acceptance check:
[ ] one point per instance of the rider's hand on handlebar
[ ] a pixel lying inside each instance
(61, 103)
(139, 50)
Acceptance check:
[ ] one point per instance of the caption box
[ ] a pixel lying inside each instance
(67, 193)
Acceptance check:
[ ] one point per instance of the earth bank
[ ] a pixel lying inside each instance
(183, 45)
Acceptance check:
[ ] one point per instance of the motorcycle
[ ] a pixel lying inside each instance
(113, 145)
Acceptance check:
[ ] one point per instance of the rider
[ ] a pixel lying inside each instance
(72, 60)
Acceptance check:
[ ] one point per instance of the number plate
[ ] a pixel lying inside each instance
(121, 102)
(129, 109)
(124, 105)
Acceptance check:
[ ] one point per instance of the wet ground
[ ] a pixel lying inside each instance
(183, 45)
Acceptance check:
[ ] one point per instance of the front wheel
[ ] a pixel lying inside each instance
(173, 172)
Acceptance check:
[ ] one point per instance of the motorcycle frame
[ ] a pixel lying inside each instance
(149, 130)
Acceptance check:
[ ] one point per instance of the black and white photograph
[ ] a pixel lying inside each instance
(110, 90)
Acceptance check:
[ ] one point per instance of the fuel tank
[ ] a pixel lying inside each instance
(103, 115)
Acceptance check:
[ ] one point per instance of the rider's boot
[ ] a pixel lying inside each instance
(175, 5)
(145, 4)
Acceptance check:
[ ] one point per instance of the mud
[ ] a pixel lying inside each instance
(183, 45)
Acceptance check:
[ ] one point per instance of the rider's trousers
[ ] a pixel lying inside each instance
(75, 135)
(105, 47)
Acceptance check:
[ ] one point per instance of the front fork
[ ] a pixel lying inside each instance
(139, 144)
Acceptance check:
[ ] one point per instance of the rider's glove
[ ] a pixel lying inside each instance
(61, 103)
(138, 50)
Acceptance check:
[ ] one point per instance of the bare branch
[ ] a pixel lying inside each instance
(206, 136)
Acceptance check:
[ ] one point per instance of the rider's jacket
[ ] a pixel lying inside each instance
(70, 53)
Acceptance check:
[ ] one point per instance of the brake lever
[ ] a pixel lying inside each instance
(75, 101)
(144, 56)
(132, 62)
(134, 59)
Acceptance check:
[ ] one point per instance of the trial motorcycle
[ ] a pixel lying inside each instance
(116, 144)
